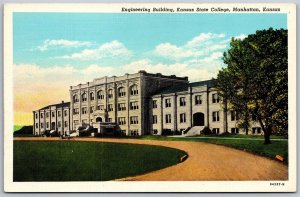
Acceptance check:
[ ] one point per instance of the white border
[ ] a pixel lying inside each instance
(142, 186)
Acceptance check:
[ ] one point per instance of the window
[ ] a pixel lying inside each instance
(110, 107)
(121, 120)
(100, 95)
(84, 97)
(215, 116)
(36, 116)
(216, 130)
(134, 105)
(121, 107)
(91, 109)
(100, 107)
(154, 104)
(42, 125)
(123, 132)
(110, 93)
(53, 114)
(110, 120)
(256, 130)
(235, 130)
(76, 122)
(198, 100)
(47, 114)
(59, 113)
(66, 123)
(182, 101)
(182, 118)
(42, 115)
(75, 99)
(47, 125)
(168, 102)
(234, 115)
(134, 120)
(122, 92)
(155, 131)
(134, 132)
(92, 96)
(36, 125)
(66, 112)
(59, 124)
(154, 119)
(215, 98)
(168, 118)
(134, 90)
(84, 110)
(76, 111)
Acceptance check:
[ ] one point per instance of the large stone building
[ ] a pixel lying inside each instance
(139, 104)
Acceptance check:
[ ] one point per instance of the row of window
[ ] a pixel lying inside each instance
(52, 114)
(121, 107)
(182, 101)
(66, 124)
(182, 118)
(100, 94)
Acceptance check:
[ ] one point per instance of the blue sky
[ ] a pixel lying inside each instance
(52, 51)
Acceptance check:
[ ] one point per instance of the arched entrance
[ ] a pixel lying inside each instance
(198, 119)
(98, 119)
(53, 126)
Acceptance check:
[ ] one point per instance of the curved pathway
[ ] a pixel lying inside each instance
(206, 162)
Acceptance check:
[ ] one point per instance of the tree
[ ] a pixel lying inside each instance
(255, 80)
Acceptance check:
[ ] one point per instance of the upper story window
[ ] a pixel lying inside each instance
(53, 114)
(47, 114)
(100, 107)
(100, 95)
(182, 118)
(216, 116)
(154, 104)
(182, 101)
(84, 110)
(91, 109)
(110, 107)
(92, 96)
(234, 115)
(121, 106)
(134, 120)
(59, 113)
(36, 115)
(168, 118)
(134, 105)
(134, 90)
(42, 115)
(66, 112)
(75, 111)
(84, 97)
(110, 93)
(154, 119)
(198, 100)
(122, 92)
(75, 98)
(168, 102)
(121, 120)
(215, 98)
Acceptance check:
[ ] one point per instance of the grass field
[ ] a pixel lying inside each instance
(248, 143)
(87, 161)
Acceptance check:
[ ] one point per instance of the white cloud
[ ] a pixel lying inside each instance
(62, 43)
(199, 46)
(241, 37)
(111, 49)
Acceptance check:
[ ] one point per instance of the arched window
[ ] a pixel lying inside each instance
(100, 95)
(84, 97)
(134, 90)
(121, 92)
(92, 96)
(110, 93)
(75, 98)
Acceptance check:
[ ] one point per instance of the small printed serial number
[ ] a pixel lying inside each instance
(276, 184)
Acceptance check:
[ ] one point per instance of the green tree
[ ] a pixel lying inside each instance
(255, 80)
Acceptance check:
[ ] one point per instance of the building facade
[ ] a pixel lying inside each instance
(140, 104)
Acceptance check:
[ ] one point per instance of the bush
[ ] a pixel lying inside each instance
(206, 131)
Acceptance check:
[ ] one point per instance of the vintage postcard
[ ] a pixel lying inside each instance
(150, 97)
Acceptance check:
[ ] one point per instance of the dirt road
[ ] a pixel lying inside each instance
(206, 162)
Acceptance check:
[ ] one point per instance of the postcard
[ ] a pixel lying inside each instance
(177, 97)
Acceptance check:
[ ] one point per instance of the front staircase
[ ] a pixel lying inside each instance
(195, 130)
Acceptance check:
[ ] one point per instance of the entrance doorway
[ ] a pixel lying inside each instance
(198, 119)
(53, 126)
(98, 119)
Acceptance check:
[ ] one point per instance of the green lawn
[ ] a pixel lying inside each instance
(247, 144)
(87, 161)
